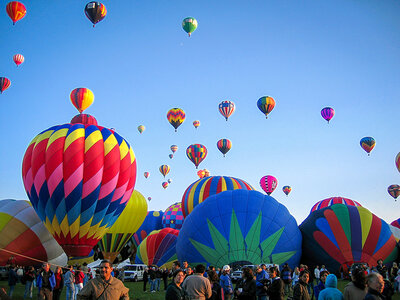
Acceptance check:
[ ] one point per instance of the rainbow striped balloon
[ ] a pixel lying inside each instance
(176, 116)
(79, 179)
(196, 153)
(333, 200)
(224, 145)
(226, 108)
(81, 98)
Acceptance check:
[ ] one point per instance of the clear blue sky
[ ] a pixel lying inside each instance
(140, 63)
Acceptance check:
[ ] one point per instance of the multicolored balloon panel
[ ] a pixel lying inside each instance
(226, 108)
(367, 143)
(79, 179)
(196, 153)
(205, 187)
(394, 191)
(164, 170)
(153, 221)
(268, 183)
(189, 25)
(173, 216)
(165, 184)
(81, 98)
(18, 59)
(224, 145)
(4, 84)
(327, 113)
(333, 200)
(16, 11)
(84, 119)
(287, 189)
(95, 12)
(176, 117)
(396, 223)
(174, 148)
(196, 123)
(266, 104)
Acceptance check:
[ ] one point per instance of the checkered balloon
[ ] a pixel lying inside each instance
(173, 216)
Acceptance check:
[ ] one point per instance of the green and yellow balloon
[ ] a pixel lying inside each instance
(189, 24)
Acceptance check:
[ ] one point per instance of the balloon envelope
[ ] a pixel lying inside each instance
(84, 119)
(196, 153)
(141, 128)
(196, 123)
(146, 174)
(189, 25)
(173, 216)
(327, 113)
(95, 12)
(16, 11)
(268, 183)
(394, 190)
(226, 108)
(153, 221)
(81, 98)
(176, 117)
(224, 145)
(165, 184)
(18, 59)
(367, 143)
(4, 84)
(397, 161)
(287, 189)
(164, 169)
(266, 104)
(174, 148)
(333, 200)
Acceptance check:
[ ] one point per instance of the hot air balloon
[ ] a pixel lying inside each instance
(153, 221)
(266, 104)
(158, 248)
(126, 225)
(332, 201)
(82, 98)
(164, 170)
(367, 143)
(149, 198)
(4, 84)
(237, 226)
(397, 161)
(84, 119)
(18, 59)
(287, 189)
(169, 180)
(396, 223)
(165, 184)
(176, 117)
(341, 235)
(196, 124)
(171, 156)
(203, 188)
(394, 190)
(173, 216)
(327, 113)
(226, 108)
(16, 11)
(224, 145)
(174, 148)
(146, 174)
(268, 183)
(196, 153)
(95, 12)
(206, 173)
(189, 25)
(23, 232)
(201, 173)
(79, 179)
(141, 128)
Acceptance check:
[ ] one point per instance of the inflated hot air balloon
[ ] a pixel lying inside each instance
(4, 84)
(189, 25)
(171, 156)
(332, 201)
(174, 148)
(287, 189)
(149, 198)
(141, 128)
(16, 11)
(173, 216)
(196, 124)
(203, 188)
(82, 98)
(176, 117)
(394, 190)
(342, 235)
(126, 225)
(79, 179)
(146, 174)
(396, 223)
(268, 183)
(164, 170)
(224, 145)
(95, 12)
(196, 153)
(84, 119)
(206, 173)
(367, 143)
(201, 173)
(169, 180)
(158, 248)
(226, 108)
(165, 184)
(153, 221)
(266, 104)
(240, 226)
(397, 161)
(23, 232)
(327, 113)
(18, 59)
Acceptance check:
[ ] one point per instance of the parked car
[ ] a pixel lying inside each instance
(134, 272)
(3, 273)
(236, 275)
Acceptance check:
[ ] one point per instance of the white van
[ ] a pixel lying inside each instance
(134, 272)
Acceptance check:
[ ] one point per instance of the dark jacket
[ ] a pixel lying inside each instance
(248, 289)
(318, 288)
(52, 279)
(174, 292)
(275, 291)
(374, 295)
(217, 291)
(300, 291)
(12, 277)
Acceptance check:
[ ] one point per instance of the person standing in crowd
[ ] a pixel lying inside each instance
(146, 279)
(226, 282)
(381, 268)
(12, 280)
(275, 290)
(176, 266)
(158, 279)
(175, 290)
(295, 276)
(196, 285)
(375, 287)
(152, 279)
(185, 265)
(189, 271)
(393, 273)
(261, 280)
(85, 271)
(59, 284)
(317, 274)
(216, 289)
(397, 282)
(29, 277)
(357, 288)
(331, 292)
(165, 278)
(46, 282)
(105, 287)
(286, 275)
(300, 291)
(246, 288)
(321, 284)
(79, 276)
(69, 282)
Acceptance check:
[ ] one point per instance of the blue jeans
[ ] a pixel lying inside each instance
(157, 284)
(70, 291)
(151, 282)
(11, 291)
(28, 289)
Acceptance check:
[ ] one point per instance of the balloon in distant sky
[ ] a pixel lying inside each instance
(224, 145)
(196, 124)
(164, 169)
(201, 173)
(266, 104)
(169, 180)
(171, 156)
(176, 117)
(95, 12)
(226, 108)
(141, 128)
(327, 113)
(268, 183)
(196, 153)
(146, 174)
(397, 161)
(174, 148)
(18, 59)
(165, 184)
(149, 198)
(394, 191)
(189, 25)
(16, 11)
(4, 84)
(173, 216)
(367, 143)
(81, 98)
(287, 189)
(84, 119)
(332, 201)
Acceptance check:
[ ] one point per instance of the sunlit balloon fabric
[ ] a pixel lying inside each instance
(266, 104)
(95, 12)
(287, 189)
(396, 223)
(240, 226)
(173, 216)
(189, 25)
(79, 179)
(367, 143)
(165, 184)
(327, 113)
(18, 59)
(153, 221)
(268, 183)
(84, 119)
(164, 169)
(174, 148)
(23, 232)
(196, 153)
(176, 117)
(394, 191)
(16, 11)
(82, 98)
(201, 189)
(158, 248)
(226, 108)
(126, 225)
(196, 124)
(343, 234)
(333, 200)
(4, 84)
(224, 145)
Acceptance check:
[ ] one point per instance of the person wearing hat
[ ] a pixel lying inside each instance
(226, 282)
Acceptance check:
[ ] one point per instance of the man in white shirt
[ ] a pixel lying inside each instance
(316, 274)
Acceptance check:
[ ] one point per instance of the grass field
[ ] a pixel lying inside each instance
(135, 291)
